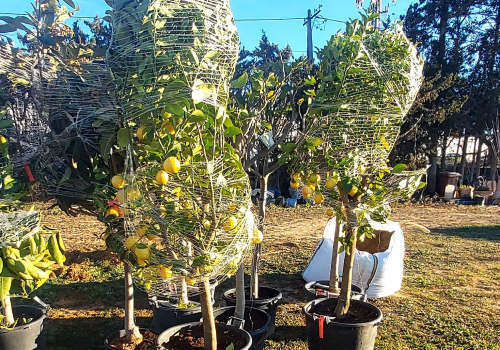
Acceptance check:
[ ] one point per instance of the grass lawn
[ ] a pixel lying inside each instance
(450, 297)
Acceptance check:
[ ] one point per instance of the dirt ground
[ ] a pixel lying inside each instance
(449, 300)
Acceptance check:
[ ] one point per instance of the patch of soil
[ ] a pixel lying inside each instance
(377, 244)
(193, 340)
(356, 314)
(148, 342)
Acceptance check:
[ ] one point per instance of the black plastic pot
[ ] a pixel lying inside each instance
(268, 301)
(120, 334)
(28, 336)
(337, 335)
(256, 323)
(165, 336)
(319, 289)
(167, 315)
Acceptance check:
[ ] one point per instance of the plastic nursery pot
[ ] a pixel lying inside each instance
(121, 333)
(325, 333)
(319, 289)
(166, 314)
(256, 323)
(238, 337)
(268, 301)
(28, 336)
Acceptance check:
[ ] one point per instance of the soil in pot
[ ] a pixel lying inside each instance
(193, 339)
(356, 314)
(148, 342)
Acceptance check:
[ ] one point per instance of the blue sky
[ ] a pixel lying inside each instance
(280, 32)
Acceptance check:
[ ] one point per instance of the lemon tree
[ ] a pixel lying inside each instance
(367, 82)
(183, 215)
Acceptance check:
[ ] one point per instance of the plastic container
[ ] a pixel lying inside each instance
(268, 301)
(167, 315)
(28, 336)
(256, 323)
(165, 336)
(447, 178)
(338, 335)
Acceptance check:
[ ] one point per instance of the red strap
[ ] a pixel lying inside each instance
(28, 172)
(321, 323)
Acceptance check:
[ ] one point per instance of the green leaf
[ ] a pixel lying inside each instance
(6, 123)
(283, 159)
(421, 185)
(5, 283)
(70, 3)
(175, 109)
(289, 147)
(267, 125)
(197, 116)
(232, 131)
(398, 168)
(230, 347)
(123, 138)
(240, 82)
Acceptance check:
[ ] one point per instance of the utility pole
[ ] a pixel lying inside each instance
(308, 22)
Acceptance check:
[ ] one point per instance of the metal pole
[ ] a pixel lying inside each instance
(309, 37)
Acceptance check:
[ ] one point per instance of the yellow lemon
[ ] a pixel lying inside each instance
(142, 252)
(141, 230)
(112, 211)
(165, 272)
(207, 224)
(330, 184)
(230, 224)
(295, 177)
(131, 241)
(141, 262)
(120, 196)
(161, 177)
(319, 198)
(294, 184)
(172, 165)
(140, 132)
(3, 142)
(257, 236)
(168, 127)
(118, 181)
(190, 280)
(306, 191)
(313, 179)
(353, 190)
(330, 212)
(133, 195)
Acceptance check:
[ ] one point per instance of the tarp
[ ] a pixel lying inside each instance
(379, 274)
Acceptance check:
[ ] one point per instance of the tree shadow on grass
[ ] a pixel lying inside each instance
(486, 232)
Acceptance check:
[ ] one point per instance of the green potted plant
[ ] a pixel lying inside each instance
(466, 192)
(27, 255)
(368, 80)
(181, 214)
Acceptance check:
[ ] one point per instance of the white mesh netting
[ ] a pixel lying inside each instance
(17, 226)
(185, 198)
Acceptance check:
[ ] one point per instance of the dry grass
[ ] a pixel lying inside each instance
(449, 300)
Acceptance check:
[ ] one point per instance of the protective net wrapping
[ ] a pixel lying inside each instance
(367, 87)
(17, 68)
(185, 199)
(17, 226)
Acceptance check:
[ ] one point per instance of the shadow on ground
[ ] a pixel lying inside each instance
(487, 232)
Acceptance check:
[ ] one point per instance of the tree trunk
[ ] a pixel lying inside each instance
(344, 301)
(240, 293)
(334, 267)
(207, 313)
(478, 158)
(7, 312)
(184, 292)
(456, 154)
(254, 283)
(432, 174)
(131, 330)
(463, 161)
(494, 164)
(443, 152)
(474, 159)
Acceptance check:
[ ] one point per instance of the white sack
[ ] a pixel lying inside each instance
(388, 272)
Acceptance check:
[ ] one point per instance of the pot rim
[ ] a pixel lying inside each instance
(331, 320)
